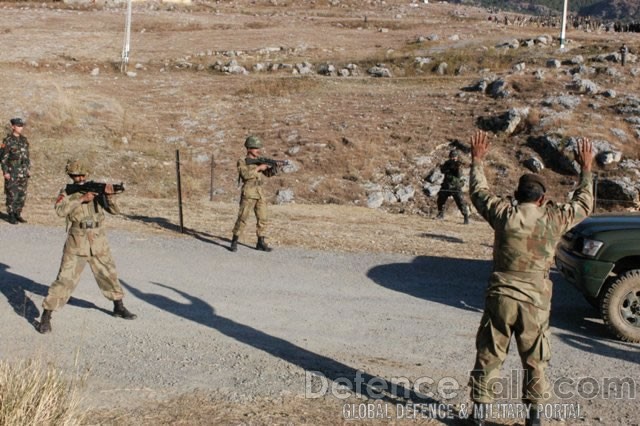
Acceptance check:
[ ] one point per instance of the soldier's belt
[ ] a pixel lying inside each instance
(87, 224)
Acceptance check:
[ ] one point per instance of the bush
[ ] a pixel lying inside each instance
(32, 393)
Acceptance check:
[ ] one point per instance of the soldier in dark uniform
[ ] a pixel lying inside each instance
(518, 297)
(14, 158)
(452, 186)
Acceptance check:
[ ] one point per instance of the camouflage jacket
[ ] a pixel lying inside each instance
(526, 236)
(452, 170)
(14, 156)
(82, 241)
(251, 180)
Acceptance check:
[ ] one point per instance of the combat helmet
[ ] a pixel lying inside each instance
(252, 142)
(76, 167)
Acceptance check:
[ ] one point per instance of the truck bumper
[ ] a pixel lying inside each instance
(587, 275)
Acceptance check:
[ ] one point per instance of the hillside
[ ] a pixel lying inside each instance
(624, 10)
(301, 76)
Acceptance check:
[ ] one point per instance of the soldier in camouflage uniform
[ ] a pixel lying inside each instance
(14, 158)
(252, 197)
(518, 297)
(452, 186)
(86, 243)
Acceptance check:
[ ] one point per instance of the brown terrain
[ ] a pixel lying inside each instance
(347, 132)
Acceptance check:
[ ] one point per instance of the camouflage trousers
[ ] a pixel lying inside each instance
(443, 196)
(71, 267)
(15, 190)
(259, 207)
(504, 317)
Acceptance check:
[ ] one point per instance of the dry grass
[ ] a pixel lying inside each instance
(32, 393)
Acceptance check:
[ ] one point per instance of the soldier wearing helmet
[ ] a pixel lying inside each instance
(252, 197)
(15, 162)
(86, 243)
(452, 186)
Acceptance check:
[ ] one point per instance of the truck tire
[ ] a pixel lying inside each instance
(621, 306)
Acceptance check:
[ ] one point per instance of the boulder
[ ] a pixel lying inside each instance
(284, 196)
(375, 200)
(534, 164)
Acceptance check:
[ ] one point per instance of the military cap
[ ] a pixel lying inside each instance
(76, 167)
(17, 122)
(252, 142)
(530, 180)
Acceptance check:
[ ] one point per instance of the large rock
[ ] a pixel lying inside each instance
(534, 164)
(509, 122)
(612, 192)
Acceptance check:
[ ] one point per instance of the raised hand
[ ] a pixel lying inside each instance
(479, 145)
(584, 154)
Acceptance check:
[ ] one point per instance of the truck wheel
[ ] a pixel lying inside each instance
(621, 306)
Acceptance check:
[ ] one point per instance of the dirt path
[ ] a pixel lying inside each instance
(238, 333)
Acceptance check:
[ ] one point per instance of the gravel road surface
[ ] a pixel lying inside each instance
(251, 324)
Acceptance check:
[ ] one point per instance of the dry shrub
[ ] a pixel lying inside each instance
(32, 393)
(279, 86)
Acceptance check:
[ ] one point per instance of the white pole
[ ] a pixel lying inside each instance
(564, 24)
(127, 39)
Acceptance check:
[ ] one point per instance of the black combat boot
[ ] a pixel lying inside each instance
(466, 219)
(533, 416)
(440, 215)
(45, 322)
(19, 218)
(120, 311)
(12, 219)
(479, 414)
(262, 245)
(234, 243)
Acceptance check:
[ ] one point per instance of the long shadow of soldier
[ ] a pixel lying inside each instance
(359, 382)
(202, 236)
(159, 221)
(461, 283)
(18, 291)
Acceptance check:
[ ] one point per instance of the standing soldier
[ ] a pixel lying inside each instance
(518, 296)
(452, 186)
(14, 157)
(252, 197)
(86, 242)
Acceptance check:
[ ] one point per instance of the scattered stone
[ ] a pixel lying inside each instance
(326, 69)
(95, 72)
(619, 133)
(567, 101)
(534, 164)
(293, 150)
(577, 60)
(404, 193)
(375, 200)
(609, 93)
(583, 86)
(379, 71)
(553, 63)
(498, 89)
(131, 74)
(608, 157)
(284, 196)
(617, 191)
(519, 67)
(441, 69)
(420, 61)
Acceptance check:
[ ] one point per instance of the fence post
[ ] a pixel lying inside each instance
(179, 190)
(213, 166)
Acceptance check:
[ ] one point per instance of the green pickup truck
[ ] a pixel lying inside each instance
(601, 257)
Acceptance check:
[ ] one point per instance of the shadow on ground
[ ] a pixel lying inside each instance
(18, 291)
(461, 283)
(359, 382)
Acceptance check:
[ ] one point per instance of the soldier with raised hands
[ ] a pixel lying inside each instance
(518, 297)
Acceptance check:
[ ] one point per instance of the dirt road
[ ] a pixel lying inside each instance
(249, 326)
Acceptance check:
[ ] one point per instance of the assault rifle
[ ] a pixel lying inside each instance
(274, 165)
(91, 186)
